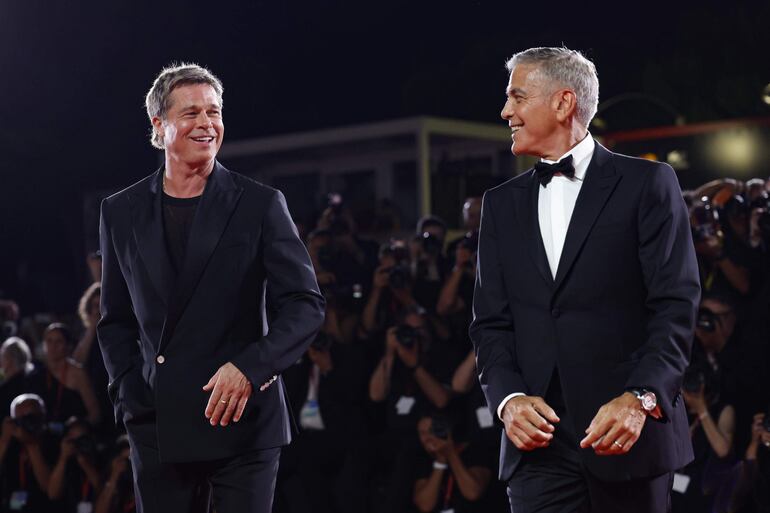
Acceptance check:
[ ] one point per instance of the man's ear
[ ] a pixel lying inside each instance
(157, 126)
(564, 103)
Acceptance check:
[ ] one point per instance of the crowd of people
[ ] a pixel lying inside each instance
(389, 411)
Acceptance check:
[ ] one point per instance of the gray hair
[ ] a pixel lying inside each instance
(23, 398)
(568, 68)
(19, 352)
(176, 75)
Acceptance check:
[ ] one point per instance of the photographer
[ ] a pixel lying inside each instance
(471, 223)
(411, 377)
(429, 264)
(451, 475)
(75, 481)
(25, 454)
(117, 495)
(456, 298)
(721, 259)
(391, 290)
(753, 484)
(63, 384)
(324, 469)
(16, 364)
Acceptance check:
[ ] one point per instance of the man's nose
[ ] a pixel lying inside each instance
(204, 120)
(507, 111)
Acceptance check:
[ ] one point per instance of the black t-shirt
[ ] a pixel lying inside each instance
(449, 495)
(178, 216)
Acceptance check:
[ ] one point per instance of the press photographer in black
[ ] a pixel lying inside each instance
(75, 481)
(411, 377)
(26, 454)
(429, 265)
(451, 474)
(753, 486)
(324, 470)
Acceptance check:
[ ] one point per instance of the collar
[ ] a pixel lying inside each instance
(581, 156)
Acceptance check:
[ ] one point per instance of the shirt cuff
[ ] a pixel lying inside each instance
(505, 400)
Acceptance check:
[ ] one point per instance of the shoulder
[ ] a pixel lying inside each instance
(494, 194)
(123, 195)
(638, 168)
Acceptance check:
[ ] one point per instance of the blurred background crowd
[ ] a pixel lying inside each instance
(390, 414)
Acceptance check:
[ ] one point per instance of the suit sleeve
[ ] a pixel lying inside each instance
(292, 293)
(118, 329)
(492, 330)
(670, 269)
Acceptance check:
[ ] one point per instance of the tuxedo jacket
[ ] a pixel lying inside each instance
(246, 294)
(619, 314)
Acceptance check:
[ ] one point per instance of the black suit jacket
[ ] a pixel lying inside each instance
(243, 255)
(619, 314)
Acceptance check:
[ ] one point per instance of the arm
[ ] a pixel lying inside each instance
(118, 329)
(369, 315)
(492, 330)
(293, 293)
(472, 482)
(465, 375)
(425, 494)
(667, 258)
(448, 301)
(720, 433)
(737, 275)
(91, 473)
(40, 467)
(379, 383)
(86, 392)
(433, 390)
(83, 349)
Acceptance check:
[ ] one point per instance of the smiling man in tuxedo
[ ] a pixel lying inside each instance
(193, 258)
(584, 307)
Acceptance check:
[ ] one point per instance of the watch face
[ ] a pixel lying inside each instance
(648, 401)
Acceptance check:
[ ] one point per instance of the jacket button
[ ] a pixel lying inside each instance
(160, 358)
(555, 312)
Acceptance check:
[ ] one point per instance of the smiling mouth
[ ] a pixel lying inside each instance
(206, 139)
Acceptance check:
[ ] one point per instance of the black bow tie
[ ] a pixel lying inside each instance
(546, 171)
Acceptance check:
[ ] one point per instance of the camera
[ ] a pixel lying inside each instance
(407, 336)
(705, 222)
(707, 320)
(399, 277)
(431, 244)
(470, 241)
(33, 423)
(694, 379)
(85, 445)
(440, 427)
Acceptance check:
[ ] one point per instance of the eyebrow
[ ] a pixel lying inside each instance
(514, 91)
(198, 107)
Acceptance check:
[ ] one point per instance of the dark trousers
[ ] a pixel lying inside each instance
(553, 479)
(244, 483)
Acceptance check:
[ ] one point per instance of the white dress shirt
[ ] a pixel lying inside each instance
(555, 204)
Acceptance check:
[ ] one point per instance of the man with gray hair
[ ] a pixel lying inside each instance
(584, 307)
(191, 257)
(16, 364)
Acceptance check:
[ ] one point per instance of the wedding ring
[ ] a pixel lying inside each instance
(223, 401)
(618, 444)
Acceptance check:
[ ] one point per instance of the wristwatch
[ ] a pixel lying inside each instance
(647, 399)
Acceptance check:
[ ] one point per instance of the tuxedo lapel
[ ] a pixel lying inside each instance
(526, 201)
(600, 181)
(216, 206)
(147, 223)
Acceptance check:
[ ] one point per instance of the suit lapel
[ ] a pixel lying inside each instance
(147, 222)
(526, 201)
(216, 206)
(600, 181)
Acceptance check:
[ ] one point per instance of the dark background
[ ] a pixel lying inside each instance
(73, 77)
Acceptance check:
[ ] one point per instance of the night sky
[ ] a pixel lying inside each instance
(74, 75)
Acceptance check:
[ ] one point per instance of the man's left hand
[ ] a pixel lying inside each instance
(616, 427)
(230, 390)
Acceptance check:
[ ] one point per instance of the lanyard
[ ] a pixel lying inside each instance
(59, 389)
(23, 469)
(448, 494)
(84, 489)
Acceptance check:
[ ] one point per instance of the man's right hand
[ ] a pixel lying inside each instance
(529, 422)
